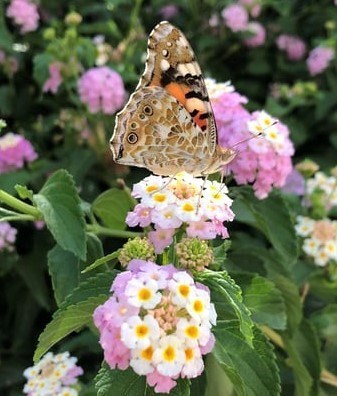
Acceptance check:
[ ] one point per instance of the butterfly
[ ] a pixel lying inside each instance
(168, 125)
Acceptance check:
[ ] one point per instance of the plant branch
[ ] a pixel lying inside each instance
(99, 230)
(19, 205)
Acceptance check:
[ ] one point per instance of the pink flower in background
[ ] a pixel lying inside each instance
(102, 89)
(169, 11)
(319, 59)
(294, 46)
(253, 6)
(295, 183)
(258, 36)
(54, 80)
(235, 17)
(15, 150)
(24, 14)
(7, 237)
(262, 160)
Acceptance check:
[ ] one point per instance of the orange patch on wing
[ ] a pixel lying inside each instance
(178, 91)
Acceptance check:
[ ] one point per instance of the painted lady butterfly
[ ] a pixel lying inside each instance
(168, 125)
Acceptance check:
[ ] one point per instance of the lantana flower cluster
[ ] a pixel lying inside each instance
(25, 14)
(263, 159)
(323, 188)
(53, 375)
(7, 237)
(319, 239)
(170, 202)
(158, 321)
(102, 89)
(15, 150)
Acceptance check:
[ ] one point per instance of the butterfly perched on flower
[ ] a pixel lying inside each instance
(168, 126)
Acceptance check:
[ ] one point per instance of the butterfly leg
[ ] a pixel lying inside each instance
(201, 190)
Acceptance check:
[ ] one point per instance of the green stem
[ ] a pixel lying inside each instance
(18, 217)
(99, 230)
(19, 205)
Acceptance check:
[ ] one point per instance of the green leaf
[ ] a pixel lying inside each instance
(226, 296)
(41, 64)
(264, 300)
(75, 311)
(64, 271)
(128, 383)
(292, 300)
(65, 321)
(112, 207)
(304, 359)
(59, 203)
(271, 216)
(101, 261)
(325, 322)
(252, 370)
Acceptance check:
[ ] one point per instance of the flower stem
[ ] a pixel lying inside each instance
(326, 376)
(19, 205)
(99, 230)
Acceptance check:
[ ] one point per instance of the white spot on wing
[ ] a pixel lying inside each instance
(164, 65)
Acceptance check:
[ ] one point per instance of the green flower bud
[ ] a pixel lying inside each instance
(137, 248)
(49, 34)
(307, 168)
(194, 253)
(73, 18)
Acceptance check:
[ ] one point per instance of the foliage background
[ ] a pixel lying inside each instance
(53, 124)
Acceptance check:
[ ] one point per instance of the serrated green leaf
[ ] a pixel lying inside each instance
(128, 383)
(65, 321)
(59, 203)
(64, 271)
(304, 359)
(112, 207)
(252, 370)
(264, 300)
(224, 291)
(271, 216)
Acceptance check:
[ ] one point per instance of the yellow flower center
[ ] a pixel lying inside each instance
(151, 189)
(144, 294)
(198, 306)
(192, 331)
(158, 197)
(147, 353)
(142, 331)
(169, 353)
(189, 354)
(184, 290)
(188, 207)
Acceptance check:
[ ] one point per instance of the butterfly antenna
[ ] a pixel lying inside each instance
(200, 194)
(254, 136)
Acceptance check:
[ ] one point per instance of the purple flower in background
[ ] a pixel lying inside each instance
(169, 11)
(102, 89)
(7, 237)
(235, 17)
(319, 59)
(258, 35)
(54, 80)
(295, 183)
(24, 14)
(15, 150)
(294, 46)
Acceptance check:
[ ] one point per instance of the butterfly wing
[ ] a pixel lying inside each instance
(155, 131)
(172, 65)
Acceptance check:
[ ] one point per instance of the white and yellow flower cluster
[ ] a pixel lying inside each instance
(158, 321)
(53, 375)
(327, 185)
(320, 239)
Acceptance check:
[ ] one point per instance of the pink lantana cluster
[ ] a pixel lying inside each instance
(55, 78)
(294, 46)
(15, 150)
(236, 18)
(263, 159)
(102, 89)
(24, 14)
(53, 375)
(319, 59)
(7, 237)
(168, 203)
(158, 321)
